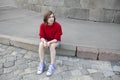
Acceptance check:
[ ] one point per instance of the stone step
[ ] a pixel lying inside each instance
(65, 49)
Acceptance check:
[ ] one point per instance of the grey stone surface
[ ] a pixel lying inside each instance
(96, 14)
(81, 33)
(97, 76)
(1, 65)
(77, 13)
(90, 34)
(95, 8)
(5, 41)
(117, 16)
(86, 52)
(1, 71)
(109, 54)
(109, 15)
(54, 3)
(72, 3)
(115, 77)
(67, 68)
(116, 68)
(9, 64)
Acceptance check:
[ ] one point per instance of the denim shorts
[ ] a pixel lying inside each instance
(58, 44)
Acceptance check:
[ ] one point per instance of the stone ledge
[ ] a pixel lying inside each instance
(4, 39)
(109, 55)
(19, 42)
(87, 52)
(65, 49)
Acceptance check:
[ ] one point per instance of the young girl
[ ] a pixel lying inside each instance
(50, 36)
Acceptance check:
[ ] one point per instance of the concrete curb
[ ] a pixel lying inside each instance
(65, 49)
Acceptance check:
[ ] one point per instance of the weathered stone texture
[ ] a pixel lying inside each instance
(95, 10)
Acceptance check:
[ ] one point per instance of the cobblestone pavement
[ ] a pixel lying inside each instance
(21, 64)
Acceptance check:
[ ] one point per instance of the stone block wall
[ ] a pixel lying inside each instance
(94, 10)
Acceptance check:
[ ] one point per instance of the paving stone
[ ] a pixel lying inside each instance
(116, 68)
(18, 72)
(107, 78)
(33, 64)
(2, 60)
(9, 64)
(64, 68)
(10, 49)
(59, 70)
(14, 53)
(102, 66)
(76, 73)
(0, 45)
(84, 72)
(115, 77)
(68, 63)
(85, 64)
(92, 70)
(1, 65)
(61, 58)
(1, 49)
(115, 63)
(75, 67)
(108, 73)
(117, 73)
(32, 56)
(10, 58)
(106, 67)
(55, 77)
(4, 46)
(59, 62)
(24, 67)
(20, 50)
(97, 76)
(30, 70)
(85, 77)
(30, 77)
(73, 59)
(3, 53)
(21, 61)
(67, 75)
(1, 71)
(16, 78)
(7, 76)
(17, 54)
(10, 69)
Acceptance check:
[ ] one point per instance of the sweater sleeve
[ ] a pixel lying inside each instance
(41, 31)
(58, 33)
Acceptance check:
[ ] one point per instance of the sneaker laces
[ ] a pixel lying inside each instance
(51, 68)
(41, 66)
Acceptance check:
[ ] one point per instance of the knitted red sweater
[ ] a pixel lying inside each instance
(50, 32)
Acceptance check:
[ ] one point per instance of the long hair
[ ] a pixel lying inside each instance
(46, 16)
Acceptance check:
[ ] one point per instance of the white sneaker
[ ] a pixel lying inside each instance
(41, 68)
(50, 70)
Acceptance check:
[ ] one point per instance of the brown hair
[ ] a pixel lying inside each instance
(46, 16)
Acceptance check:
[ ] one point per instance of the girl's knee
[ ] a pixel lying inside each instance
(41, 44)
(53, 45)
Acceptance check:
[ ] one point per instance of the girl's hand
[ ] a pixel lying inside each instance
(48, 44)
(45, 44)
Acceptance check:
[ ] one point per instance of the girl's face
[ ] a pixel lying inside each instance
(51, 19)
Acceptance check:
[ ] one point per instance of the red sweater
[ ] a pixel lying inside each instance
(50, 32)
